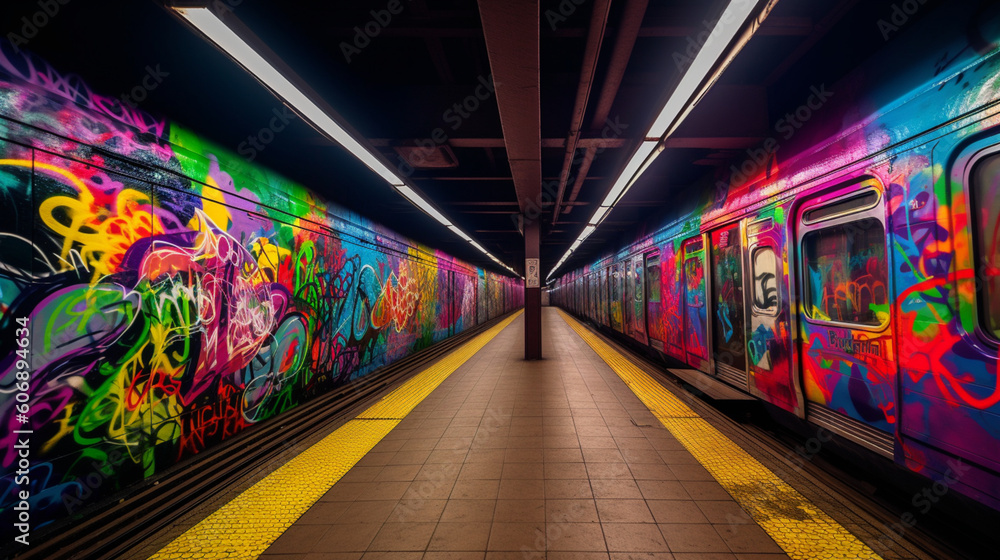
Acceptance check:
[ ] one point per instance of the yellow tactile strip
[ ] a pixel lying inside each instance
(247, 525)
(801, 529)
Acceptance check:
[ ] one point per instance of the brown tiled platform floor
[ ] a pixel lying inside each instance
(510, 459)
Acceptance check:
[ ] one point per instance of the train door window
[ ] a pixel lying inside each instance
(764, 270)
(638, 297)
(846, 277)
(729, 332)
(653, 285)
(628, 293)
(604, 293)
(985, 186)
(696, 312)
(637, 280)
(615, 303)
(654, 322)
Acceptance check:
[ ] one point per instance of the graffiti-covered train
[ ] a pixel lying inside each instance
(854, 281)
(159, 295)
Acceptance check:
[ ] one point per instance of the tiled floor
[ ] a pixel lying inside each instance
(528, 460)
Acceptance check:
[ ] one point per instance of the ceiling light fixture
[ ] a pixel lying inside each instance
(710, 62)
(218, 24)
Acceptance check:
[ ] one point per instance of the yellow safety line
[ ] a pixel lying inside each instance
(800, 528)
(247, 525)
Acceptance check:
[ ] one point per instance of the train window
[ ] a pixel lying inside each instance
(846, 273)
(637, 280)
(985, 186)
(653, 279)
(850, 205)
(764, 268)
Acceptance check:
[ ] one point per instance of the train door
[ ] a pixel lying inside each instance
(615, 299)
(769, 344)
(672, 299)
(638, 303)
(578, 295)
(628, 294)
(603, 311)
(654, 311)
(695, 304)
(728, 322)
(846, 338)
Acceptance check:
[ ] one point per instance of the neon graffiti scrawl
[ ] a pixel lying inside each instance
(175, 298)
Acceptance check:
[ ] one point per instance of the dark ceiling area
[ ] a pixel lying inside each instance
(421, 78)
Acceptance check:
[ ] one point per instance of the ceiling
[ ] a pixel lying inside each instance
(605, 69)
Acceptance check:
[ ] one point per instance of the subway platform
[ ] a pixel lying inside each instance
(484, 455)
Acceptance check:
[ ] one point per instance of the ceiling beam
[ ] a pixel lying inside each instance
(788, 26)
(712, 142)
(621, 52)
(511, 29)
(591, 53)
(435, 48)
(499, 142)
(581, 176)
(508, 178)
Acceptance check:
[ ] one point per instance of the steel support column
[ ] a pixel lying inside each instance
(532, 296)
(511, 30)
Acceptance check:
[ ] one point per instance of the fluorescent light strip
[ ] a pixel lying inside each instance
(419, 202)
(226, 39)
(728, 25)
(219, 33)
(459, 233)
(735, 14)
(599, 215)
(626, 178)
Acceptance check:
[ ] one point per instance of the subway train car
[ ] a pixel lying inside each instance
(159, 295)
(854, 281)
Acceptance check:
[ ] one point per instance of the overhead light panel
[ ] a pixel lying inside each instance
(629, 175)
(422, 204)
(459, 233)
(599, 215)
(209, 24)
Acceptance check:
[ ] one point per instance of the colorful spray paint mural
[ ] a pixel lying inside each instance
(869, 304)
(174, 295)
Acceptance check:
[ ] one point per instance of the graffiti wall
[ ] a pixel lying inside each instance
(159, 295)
